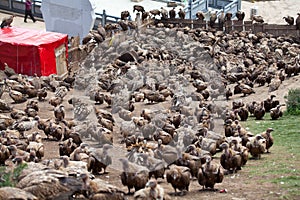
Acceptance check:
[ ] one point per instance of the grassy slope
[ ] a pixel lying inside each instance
(283, 166)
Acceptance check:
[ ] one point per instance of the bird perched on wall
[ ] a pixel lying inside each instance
(221, 19)
(269, 138)
(164, 13)
(257, 18)
(240, 15)
(298, 22)
(289, 20)
(200, 16)
(6, 21)
(212, 19)
(181, 14)
(210, 174)
(172, 13)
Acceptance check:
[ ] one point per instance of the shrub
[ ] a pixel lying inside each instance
(293, 101)
(9, 177)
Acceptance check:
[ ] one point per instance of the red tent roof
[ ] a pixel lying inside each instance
(30, 51)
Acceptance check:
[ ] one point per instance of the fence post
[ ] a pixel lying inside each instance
(10, 4)
(103, 18)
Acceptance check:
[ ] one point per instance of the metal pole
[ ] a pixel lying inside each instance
(190, 8)
(103, 18)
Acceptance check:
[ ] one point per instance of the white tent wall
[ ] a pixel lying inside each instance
(72, 17)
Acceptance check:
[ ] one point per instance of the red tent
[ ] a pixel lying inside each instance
(31, 51)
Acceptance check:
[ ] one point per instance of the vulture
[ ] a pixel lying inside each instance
(18, 97)
(50, 184)
(243, 113)
(181, 14)
(269, 138)
(172, 13)
(95, 189)
(228, 16)
(179, 177)
(236, 145)
(210, 174)
(212, 19)
(269, 103)
(6, 21)
(66, 147)
(221, 19)
(138, 8)
(156, 167)
(275, 113)
(124, 15)
(164, 13)
(240, 15)
(4, 107)
(298, 22)
(230, 159)
(200, 16)
(152, 191)
(256, 146)
(4, 154)
(2, 88)
(258, 18)
(99, 159)
(259, 111)
(289, 20)
(11, 193)
(59, 112)
(133, 175)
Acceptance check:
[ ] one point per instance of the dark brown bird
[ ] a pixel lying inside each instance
(133, 175)
(18, 97)
(275, 113)
(179, 177)
(259, 111)
(243, 114)
(67, 147)
(269, 138)
(59, 112)
(289, 20)
(256, 146)
(99, 159)
(4, 153)
(228, 93)
(6, 21)
(230, 159)
(138, 8)
(298, 22)
(240, 15)
(200, 16)
(124, 15)
(269, 103)
(172, 13)
(181, 14)
(42, 94)
(4, 107)
(210, 174)
(228, 16)
(258, 18)
(212, 19)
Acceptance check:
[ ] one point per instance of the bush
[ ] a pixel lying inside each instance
(9, 177)
(293, 102)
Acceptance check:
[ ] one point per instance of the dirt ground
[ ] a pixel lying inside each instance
(241, 185)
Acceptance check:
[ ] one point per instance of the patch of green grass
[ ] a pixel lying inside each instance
(281, 166)
(9, 178)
